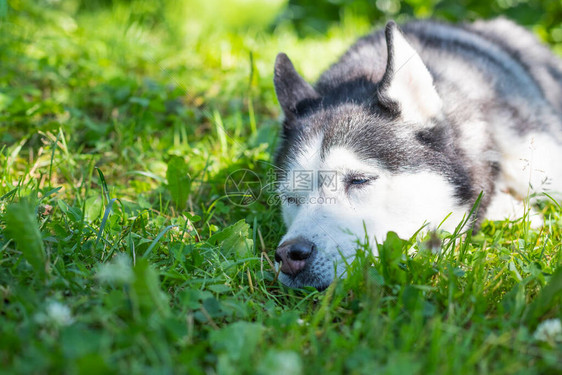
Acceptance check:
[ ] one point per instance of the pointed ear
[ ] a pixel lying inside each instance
(407, 86)
(290, 87)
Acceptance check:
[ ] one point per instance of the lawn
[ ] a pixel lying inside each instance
(124, 250)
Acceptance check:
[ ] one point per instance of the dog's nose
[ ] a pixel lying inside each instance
(293, 255)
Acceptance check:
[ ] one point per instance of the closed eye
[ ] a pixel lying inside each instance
(359, 181)
(355, 181)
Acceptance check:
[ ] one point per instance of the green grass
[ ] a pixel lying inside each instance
(121, 253)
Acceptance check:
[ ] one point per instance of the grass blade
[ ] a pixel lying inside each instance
(22, 227)
(54, 150)
(179, 182)
(160, 235)
(104, 221)
(103, 184)
(549, 297)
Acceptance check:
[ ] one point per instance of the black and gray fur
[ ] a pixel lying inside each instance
(490, 72)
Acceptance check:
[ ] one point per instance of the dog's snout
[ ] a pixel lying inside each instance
(293, 255)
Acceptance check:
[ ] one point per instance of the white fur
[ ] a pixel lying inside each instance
(390, 202)
(505, 206)
(530, 167)
(493, 103)
(412, 84)
(530, 164)
(336, 219)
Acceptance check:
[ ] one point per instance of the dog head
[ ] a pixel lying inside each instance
(360, 159)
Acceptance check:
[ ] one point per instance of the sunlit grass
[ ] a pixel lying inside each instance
(120, 251)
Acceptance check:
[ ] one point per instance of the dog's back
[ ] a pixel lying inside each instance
(472, 58)
(523, 46)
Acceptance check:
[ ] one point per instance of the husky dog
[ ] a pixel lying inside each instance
(407, 129)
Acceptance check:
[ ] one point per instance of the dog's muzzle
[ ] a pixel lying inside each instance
(294, 255)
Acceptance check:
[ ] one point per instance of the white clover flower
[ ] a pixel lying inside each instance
(119, 271)
(301, 322)
(549, 331)
(59, 314)
(56, 314)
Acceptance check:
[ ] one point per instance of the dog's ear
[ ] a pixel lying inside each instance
(407, 86)
(290, 87)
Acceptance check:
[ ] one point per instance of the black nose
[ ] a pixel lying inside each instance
(294, 254)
